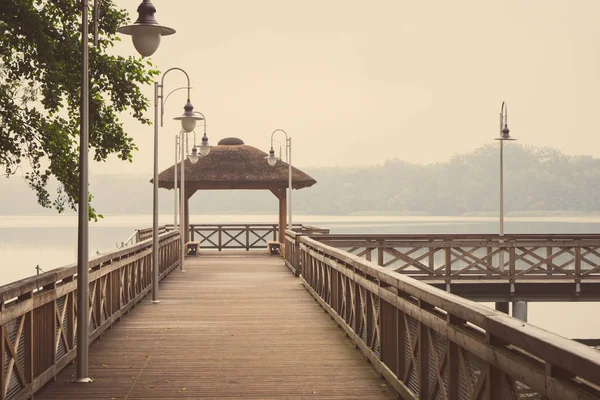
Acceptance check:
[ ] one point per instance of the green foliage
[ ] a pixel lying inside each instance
(40, 79)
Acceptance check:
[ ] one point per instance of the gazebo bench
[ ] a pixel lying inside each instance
(274, 248)
(192, 248)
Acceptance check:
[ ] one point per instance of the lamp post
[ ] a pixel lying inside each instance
(188, 122)
(504, 135)
(175, 182)
(83, 304)
(146, 34)
(272, 159)
(194, 157)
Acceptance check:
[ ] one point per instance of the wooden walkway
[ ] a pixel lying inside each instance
(230, 327)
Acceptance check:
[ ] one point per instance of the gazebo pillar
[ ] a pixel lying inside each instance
(282, 197)
(188, 194)
(282, 215)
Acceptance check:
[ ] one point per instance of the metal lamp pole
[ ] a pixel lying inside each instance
(504, 135)
(146, 42)
(175, 182)
(182, 225)
(146, 33)
(83, 209)
(273, 160)
(193, 157)
(188, 122)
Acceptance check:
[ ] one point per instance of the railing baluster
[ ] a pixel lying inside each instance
(247, 238)
(220, 231)
(423, 357)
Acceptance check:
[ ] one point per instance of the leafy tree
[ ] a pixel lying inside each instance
(40, 64)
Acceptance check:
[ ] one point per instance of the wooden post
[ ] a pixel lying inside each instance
(187, 215)
(247, 229)
(281, 196)
(401, 345)
(453, 365)
(495, 386)
(282, 214)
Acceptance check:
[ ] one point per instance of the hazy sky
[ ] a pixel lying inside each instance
(356, 83)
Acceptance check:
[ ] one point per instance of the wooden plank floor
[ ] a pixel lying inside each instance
(229, 327)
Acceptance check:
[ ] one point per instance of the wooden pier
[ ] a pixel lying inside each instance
(229, 327)
(238, 323)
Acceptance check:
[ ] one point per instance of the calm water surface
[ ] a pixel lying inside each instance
(51, 242)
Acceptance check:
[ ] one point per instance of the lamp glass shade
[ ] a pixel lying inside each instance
(146, 39)
(204, 149)
(194, 156)
(188, 123)
(272, 160)
(146, 31)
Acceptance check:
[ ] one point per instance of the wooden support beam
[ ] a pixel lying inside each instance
(282, 197)
(188, 194)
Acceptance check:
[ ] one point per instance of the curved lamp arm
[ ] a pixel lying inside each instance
(161, 87)
(271, 157)
(504, 131)
(503, 116)
(272, 160)
(204, 119)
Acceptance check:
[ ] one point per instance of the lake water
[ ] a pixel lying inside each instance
(51, 242)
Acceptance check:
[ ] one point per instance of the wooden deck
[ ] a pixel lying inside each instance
(229, 327)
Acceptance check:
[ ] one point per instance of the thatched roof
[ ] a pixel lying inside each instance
(233, 165)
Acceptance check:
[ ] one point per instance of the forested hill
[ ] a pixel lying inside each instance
(535, 180)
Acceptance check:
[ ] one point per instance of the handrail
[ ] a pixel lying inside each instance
(130, 240)
(247, 236)
(574, 257)
(427, 342)
(36, 353)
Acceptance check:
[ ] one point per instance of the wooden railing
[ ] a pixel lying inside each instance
(38, 315)
(430, 344)
(459, 257)
(241, 236)
(146, 233)
(233, 236)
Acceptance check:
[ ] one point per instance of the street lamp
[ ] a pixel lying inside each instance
(194, 157)
(146, 33)
(204, 146)
(188, 123)
(272, 160)
(146, 37)
(504, 135)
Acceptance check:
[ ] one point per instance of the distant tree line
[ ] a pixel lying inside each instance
(536, 180)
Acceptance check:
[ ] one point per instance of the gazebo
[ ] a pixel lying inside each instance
(233, 165)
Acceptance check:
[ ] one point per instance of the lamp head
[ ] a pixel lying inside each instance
(188, 119)
(504, 131)
(194, 156)
(146, 31)
(505, 134)
(271, 159)
(204, 147)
